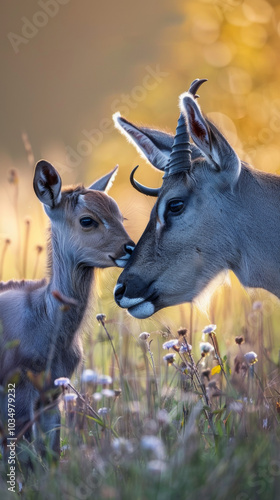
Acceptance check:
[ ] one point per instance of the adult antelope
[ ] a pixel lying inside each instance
(213, 213)
(86, 231)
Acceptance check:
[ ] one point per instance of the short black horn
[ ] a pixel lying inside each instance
(143, 189)
(195, 86)
(180, 156)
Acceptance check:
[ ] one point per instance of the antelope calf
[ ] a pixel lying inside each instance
(213, 213)
(86, 231)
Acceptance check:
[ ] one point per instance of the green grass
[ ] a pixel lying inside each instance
(170, 432)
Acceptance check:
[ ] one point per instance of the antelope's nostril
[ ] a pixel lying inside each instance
(119, 291)
(129, 248)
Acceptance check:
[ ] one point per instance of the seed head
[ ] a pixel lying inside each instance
(182, 331)
(144, 336)
(239, 340)
(101, 318)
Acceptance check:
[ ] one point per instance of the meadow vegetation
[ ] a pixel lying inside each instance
(198, 417)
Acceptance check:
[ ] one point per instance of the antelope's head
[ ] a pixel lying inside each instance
(85, 223)
(189, 237)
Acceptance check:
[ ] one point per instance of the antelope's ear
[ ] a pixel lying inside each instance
(105, 182)
(47, 184)
(209, 140)
(152, 144)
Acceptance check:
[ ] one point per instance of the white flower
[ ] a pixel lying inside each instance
(97, 396)
(104, 379)
(169, 358)
(156, 466)
(108, 393)
(89, 376)
(170, 343)
(185, 348)
(62, 381)
(207, 330)
(205, 348)
(251, 357)
(154, 446)
(122, 446)
(103, 411)
(70, 397)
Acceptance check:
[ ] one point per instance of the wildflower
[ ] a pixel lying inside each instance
(101, 318)
(89, 376)
(108, 393)
(97, 396)
(185, 348)
(122, 446)
(70, 397)
(239, 340)
(156, 466)
(62, 381)
(144, 336)
(163, 417)
(170, 344)
(182, 332)
(205, 348)
(154, 446)
(251, 357)
(207, 330)
(104, 379)
(169, 358)
(103, 411)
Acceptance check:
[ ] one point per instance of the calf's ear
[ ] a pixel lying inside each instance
(47, 184)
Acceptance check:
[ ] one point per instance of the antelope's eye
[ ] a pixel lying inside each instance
(88, 222)
(175, 206)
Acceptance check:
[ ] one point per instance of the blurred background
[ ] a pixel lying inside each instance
(67, 66)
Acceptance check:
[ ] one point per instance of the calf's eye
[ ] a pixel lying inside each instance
(88, 222)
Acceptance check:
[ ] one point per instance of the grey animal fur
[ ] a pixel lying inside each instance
(230, 220)
(30, 314)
